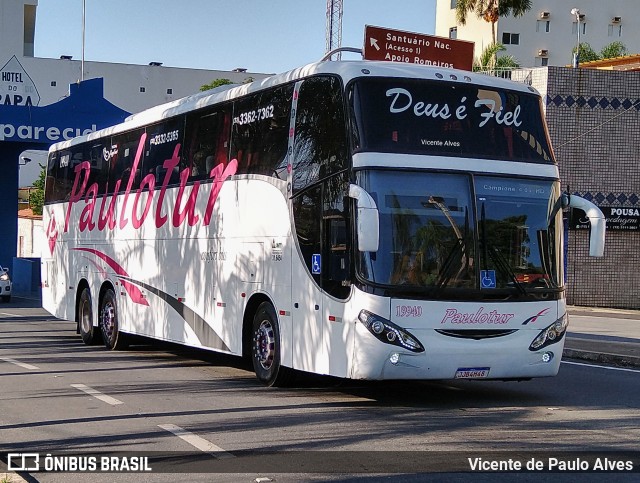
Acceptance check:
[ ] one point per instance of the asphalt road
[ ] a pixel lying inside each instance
(198, 416)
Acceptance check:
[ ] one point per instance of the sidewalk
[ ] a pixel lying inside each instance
(604, 336)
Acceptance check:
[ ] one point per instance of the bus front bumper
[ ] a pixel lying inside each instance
(448, 357)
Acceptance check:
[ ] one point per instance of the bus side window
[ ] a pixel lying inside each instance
(206, 141)
(162, 140)
(121, 162)
(260, 132)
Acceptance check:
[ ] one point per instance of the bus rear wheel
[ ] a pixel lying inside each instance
(90, 334)
(265, 348)
(109, 323)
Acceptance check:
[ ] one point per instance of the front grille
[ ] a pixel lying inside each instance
(476, 334)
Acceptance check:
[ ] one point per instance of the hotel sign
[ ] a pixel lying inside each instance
(619, 218)
(16, 87)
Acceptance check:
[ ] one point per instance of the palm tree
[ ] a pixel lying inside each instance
(489, 61)
(491, 10)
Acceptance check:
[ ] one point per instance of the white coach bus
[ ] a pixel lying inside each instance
(364, 220)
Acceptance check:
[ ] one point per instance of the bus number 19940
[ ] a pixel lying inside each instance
(408, 311)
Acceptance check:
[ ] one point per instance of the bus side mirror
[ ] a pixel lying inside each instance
(596, 218)
(367, 223)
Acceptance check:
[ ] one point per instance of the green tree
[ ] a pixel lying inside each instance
(587, 54)
(215, 83)
(36, 196)
(223, 82)
(614, 49)
(491, 11)
(489, 59)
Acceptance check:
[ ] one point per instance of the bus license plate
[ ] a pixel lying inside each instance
(472, 372)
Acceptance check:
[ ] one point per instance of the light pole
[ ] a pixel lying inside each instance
(576, 54)
(84, 10)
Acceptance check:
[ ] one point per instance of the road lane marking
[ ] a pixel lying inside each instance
(97, 394)
(624, 369)
(196, 441)
(24, 365)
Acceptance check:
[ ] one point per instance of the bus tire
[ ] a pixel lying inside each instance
(109, 323)
(266, 349)
(90, 335)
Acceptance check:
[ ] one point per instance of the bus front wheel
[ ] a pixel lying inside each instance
(265, 348)
(90, 334)
(109, 323)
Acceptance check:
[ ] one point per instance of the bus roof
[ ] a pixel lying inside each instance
(347, 70)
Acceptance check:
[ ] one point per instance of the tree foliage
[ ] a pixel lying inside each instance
(588, 54)
(491, 10)
(489, 59)
(614, 49)
(222, 82)
(36, 196)
(215, 83)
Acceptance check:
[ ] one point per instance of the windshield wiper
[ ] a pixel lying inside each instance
(446, 272)
(458, 250)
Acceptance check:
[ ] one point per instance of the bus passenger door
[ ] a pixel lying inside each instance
(336, 273)
(306, 295)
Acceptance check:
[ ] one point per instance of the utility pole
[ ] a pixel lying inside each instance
(334, 26)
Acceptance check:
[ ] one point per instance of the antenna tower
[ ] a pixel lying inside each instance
(334, 26)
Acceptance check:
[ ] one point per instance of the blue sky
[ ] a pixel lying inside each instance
(259, 35)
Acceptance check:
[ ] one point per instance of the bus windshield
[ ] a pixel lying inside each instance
(445, 235)
(417, 116)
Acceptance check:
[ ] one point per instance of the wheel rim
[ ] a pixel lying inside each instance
(265, 344)
(85, 317)
(108, 319)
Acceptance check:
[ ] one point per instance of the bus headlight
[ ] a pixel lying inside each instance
(4, 277)
(551, 334)
(388, 332)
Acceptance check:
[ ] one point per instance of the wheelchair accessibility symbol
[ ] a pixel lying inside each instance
(316, 263)
(487, 278)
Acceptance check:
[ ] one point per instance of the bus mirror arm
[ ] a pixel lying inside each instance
(367, 223)
(597, 220)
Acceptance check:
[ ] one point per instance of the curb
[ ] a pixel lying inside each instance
(603, 312)
(617, 360)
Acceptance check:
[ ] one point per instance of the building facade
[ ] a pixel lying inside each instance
(548, 33)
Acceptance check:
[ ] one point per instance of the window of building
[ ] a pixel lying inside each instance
(540, 61)
(169, 91)
(453, 33)
(510, 39)
(583, 28)
(543, 26)
(615, 30)
(54, 83)
(454, 4)
(142, 89)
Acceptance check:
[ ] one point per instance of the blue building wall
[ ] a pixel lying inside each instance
(25, 127)
(9, 153)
